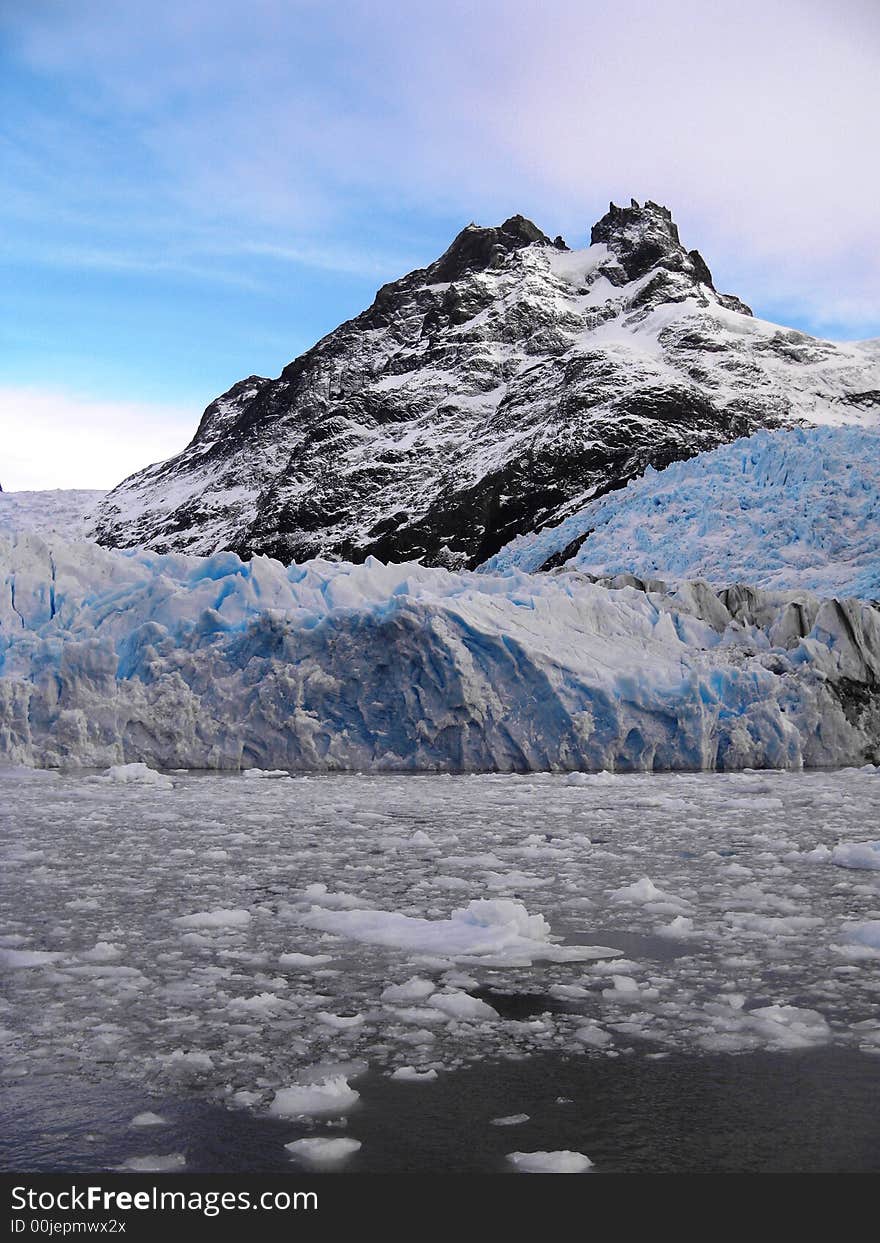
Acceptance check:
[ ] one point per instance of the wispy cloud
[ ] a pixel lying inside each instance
(331, 258)
(104, 259)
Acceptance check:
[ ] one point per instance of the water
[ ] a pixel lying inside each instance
(736, 1028)
(811, 1112)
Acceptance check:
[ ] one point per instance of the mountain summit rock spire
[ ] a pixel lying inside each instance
(644, 239)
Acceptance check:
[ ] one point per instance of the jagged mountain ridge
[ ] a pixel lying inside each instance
(485, 396)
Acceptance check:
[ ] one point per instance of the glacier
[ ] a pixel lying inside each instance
(784, 509)
(50, 511)
(110, 658)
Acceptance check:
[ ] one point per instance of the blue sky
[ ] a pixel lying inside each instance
(195, 191)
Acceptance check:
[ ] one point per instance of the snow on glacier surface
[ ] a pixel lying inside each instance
(780, 509)
(59, 511)
(137, 661)
(110, 966)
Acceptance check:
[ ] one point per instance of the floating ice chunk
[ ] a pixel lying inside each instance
(189, 1062)
(409, 1074)
(138, 774)
(20, 959)
(341, 1022)
(303, 961)
(486, 860)
(321, 896)
(499, 929)
(153, 1165)
(857, 855)
(737, 869)
(586, 779)
(568, 991)
(789, 1027)
(414, 989)
(563, 1162)
(679, 928)
(332, 1096)
(462, 1006)
(215, 919)
(499, 881)
(352, 1068)
(261, 1005)
(598, 952)
(323, 1150)
(619, 965)
(103, 951)
(645, 893)
(510, 1120)
(420, 1015)
(623, 984)
(148, 1119)
(629, 990)
(243, 1098)
(866, 933)
(773, 925)
(267, 773)
(592, 1034)
(460, 979)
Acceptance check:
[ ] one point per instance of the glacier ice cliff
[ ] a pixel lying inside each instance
(176, 660)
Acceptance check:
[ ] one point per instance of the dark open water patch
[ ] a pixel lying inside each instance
(815, 1111)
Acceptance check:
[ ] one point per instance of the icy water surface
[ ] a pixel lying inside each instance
(252, 959)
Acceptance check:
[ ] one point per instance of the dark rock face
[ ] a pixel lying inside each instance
(484, 396)
(645, 239)
(476, 249)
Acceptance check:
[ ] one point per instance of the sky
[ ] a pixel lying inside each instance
(192, 191)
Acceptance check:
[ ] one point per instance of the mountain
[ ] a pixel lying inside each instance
(780, 510)
(485, 396)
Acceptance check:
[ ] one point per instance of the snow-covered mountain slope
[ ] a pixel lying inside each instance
(485, 396)
(181, 661)
(781, 509)
(62, 511)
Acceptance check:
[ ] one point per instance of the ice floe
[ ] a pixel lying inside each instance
(323, 1150)
(500, 930)
(563, 1162)
(331, 1097)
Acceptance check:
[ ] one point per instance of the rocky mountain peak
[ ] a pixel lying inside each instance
(645, 238)
(641, 238)
(477, 248)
